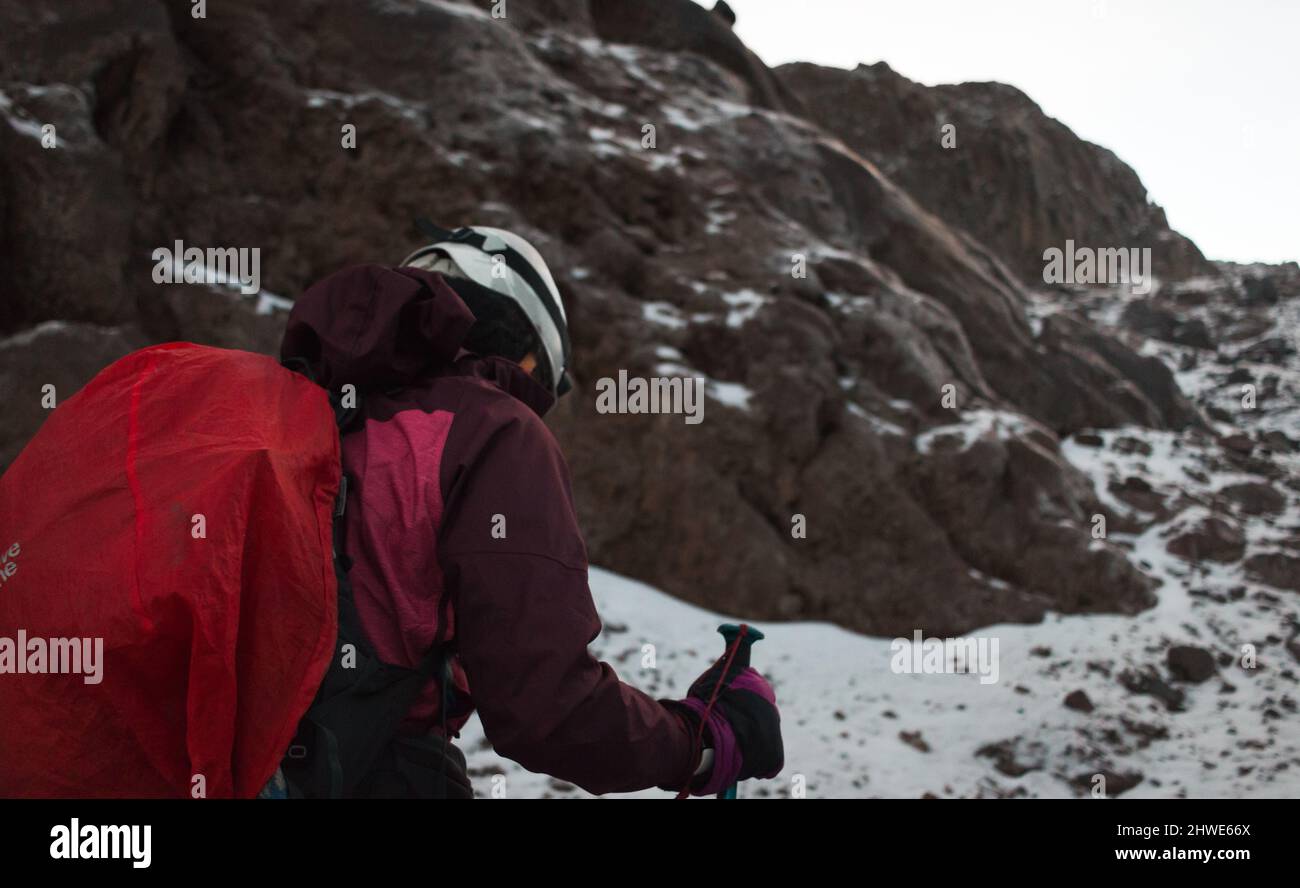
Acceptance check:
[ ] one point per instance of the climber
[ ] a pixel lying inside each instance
(463, 536)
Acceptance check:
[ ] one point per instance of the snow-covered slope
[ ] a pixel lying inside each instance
(844, 710)
(856, 728)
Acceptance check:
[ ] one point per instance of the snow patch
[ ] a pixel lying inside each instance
(745, 305)
(881, 426)
(974, 425)
(730, 394)
(663, 313)
(27, 337)
(320, 98)
(23, 125)
(458, 9)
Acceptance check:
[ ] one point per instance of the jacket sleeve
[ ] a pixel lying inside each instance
(515, 565)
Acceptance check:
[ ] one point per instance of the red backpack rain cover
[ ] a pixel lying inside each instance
(178, 508)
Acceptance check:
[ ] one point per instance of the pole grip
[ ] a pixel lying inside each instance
(730, 632)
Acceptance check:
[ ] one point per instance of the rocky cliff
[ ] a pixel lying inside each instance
(881, 355)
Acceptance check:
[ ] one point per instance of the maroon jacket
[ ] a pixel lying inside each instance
(462, 531)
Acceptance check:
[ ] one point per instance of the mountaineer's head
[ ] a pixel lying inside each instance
(503, 280)
(480, 290)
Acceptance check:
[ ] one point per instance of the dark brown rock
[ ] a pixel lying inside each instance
(1211, 539)
(1238, 443)
(1148, 682)
(1129, 444)
(1019, 187)
(914, 740)
(1273, 350)
(1191, 664)
(1078, 701)
(1116, 783)
(1275, 569)
(1157, 322)
(1255, 497)
(1005, 758)
(684, 26)
(1146, 732)
(63, 355)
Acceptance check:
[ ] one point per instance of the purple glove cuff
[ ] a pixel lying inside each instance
(726, 753)
(749, 679)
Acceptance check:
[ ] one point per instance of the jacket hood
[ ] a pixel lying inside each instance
(378, 328)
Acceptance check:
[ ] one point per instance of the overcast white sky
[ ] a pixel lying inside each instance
(1201, 97)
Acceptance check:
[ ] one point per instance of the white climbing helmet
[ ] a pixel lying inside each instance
(504, 262)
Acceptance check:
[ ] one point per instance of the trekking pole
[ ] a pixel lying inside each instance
(740, 637)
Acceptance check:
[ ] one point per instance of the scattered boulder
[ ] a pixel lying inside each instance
(1274, 569)
(914, 740)
(1149, 683)
(1129, 444)
(1112, 783)
(1238, 443)
(1146, 732)
(1211, 539)
(1156, 322)
(1273, 350)
(1078, 701)
(1260, 290)
(1004, 756)
(1255, 497)
(1279, 442)
(1138, 493)
(1190, 664)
